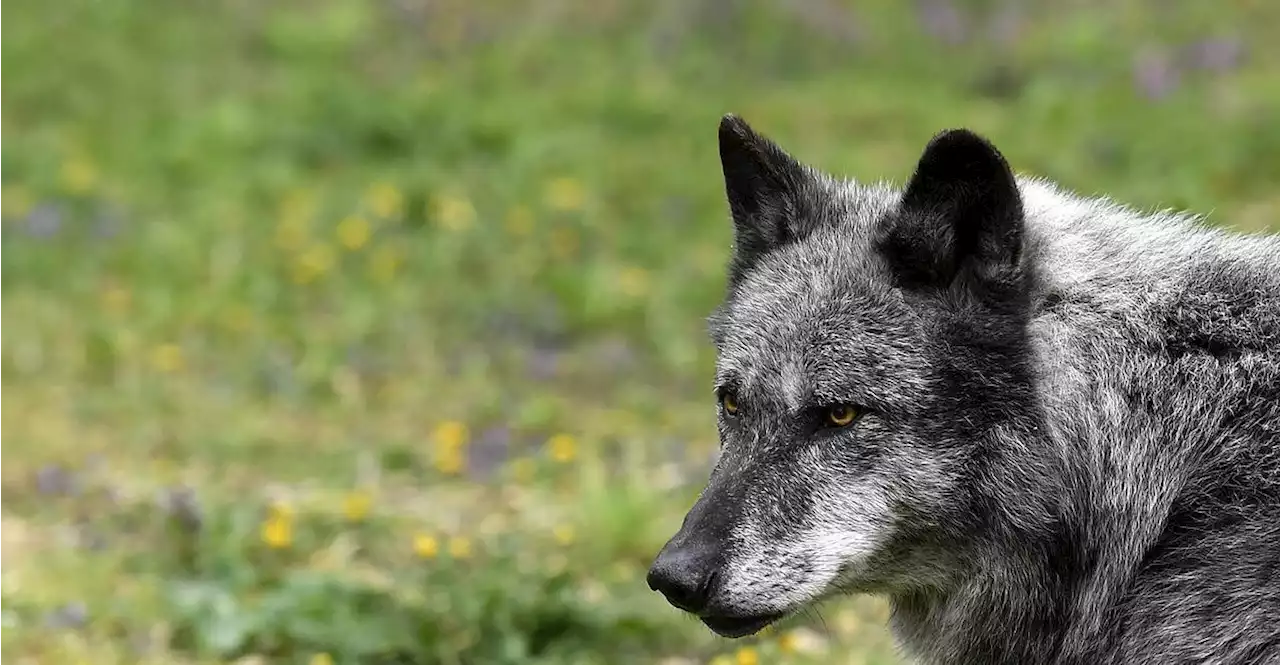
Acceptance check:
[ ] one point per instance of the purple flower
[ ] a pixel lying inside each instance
(92, 539)
(1217, 54)
(614, 353)
(45, 221)
(70, 616)
(942, 20)
(542, 362)
(55, 480)
(1006, 26)
(108, 222)
(1154, 74)
(181, 504)
(490, 449)
(276, 373)
(826, 17)
(363, 361)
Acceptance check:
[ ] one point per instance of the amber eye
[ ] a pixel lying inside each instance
(841, 415)
(730, 403)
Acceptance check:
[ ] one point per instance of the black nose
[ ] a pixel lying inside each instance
(686, 575)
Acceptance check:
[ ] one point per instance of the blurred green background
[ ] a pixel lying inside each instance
(372, 330)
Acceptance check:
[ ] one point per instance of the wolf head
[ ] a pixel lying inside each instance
(871, 342)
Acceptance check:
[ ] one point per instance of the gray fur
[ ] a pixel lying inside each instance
(1069, 447)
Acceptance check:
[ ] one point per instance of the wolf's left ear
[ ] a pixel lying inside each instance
(961, 213)
(762, 183)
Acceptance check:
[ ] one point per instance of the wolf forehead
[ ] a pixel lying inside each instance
(822, 271)
(818, 321)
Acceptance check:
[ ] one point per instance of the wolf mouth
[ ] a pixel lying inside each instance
(738, 626)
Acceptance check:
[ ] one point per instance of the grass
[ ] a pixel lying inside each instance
(372, 331)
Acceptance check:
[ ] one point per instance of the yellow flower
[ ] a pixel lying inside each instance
(563, 448)
(321, 659)
(460, 547)
(787, 642)
(747, 656)
(451, 461)
(622, 572)
(455, 212)
(281, 510)
(384, 262)
(355, 505)
(298, 205)
(291, 233)
(126, 342)
(116, 299)
(848, 623)
(425, 546)
(78, 175)
(519, 221)
(346, 384)
(313, 263)
(237, 318)
(451, 434)
(633, 281)
(564, 534)
(167, 358)
(450, 442)
(384, 200)
(565, 194)
(564, 243)
(16, 201)
(708, 258)
(522, 469)
(277, 532)
(353, 232)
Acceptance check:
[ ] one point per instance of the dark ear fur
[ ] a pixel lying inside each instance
(960, 217)
(763, 184)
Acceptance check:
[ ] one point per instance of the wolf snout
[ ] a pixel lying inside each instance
(688, 575)
(685, 574)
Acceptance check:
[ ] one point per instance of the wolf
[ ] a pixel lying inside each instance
(1046, 427)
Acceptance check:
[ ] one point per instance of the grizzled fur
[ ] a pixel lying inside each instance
(1068, 440)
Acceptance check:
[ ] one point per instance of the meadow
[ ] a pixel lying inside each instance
(372, 331)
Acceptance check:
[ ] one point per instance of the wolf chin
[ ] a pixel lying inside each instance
(1045, 427)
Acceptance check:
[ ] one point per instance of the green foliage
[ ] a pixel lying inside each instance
(503, 605)
(436, 273)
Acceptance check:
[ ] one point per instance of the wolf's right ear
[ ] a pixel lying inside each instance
(762, 183)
